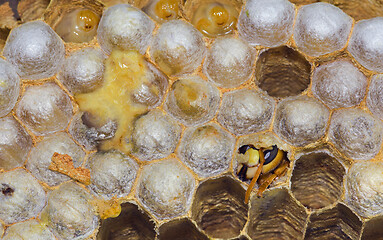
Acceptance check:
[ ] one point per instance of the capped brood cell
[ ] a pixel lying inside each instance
(31, 229)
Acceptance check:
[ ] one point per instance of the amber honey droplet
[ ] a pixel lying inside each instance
(166, 9)
(87, 20)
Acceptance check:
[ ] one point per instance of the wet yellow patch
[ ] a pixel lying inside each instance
(125, 72)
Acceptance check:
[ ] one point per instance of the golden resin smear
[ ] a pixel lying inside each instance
(125, 72)
(107, 208)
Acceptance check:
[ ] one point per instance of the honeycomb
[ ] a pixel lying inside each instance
(170, 119)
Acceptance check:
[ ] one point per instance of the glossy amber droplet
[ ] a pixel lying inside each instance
(215, 19)
(78, 26)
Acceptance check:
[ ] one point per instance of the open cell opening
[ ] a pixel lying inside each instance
(282, 72)
(179, 230)
(131, 224)
(317, 180)
(219, 208)
(335, 223)
(276, 215)
(373, 229)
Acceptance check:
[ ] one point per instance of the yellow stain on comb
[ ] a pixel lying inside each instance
(125, 72)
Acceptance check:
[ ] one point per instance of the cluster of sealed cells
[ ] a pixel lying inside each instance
(158, 103)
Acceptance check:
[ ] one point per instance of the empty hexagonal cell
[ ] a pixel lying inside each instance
(132, 223)
(83, 70)
(180, 229)
(317, 179)
(301, 120)
(177, 48)
(364, 189)
(9, 87)
(21, 196)
(31, 229)
(124, 27)
(44, 109)
(362, 44)
(35, 50)
(373, 229)
(68, 213)
(282, 72)
(321, 28)
(229, 62)
(375, 96)
(219, 208)
(192, 100)
(15, 143)
(267, 23)
(276, 216)
(246, 111)
(356, 133)
(338, 222)
(40, 157)
(155, 135)
(207, 150)
(112, 173)
(166, 188)
(339, 84)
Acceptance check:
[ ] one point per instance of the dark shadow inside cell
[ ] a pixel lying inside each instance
(4, 32)
(131, 224)
(179, 230)
(335, 223)
(355, 8)
(317, 180)
(219, 208)
(373, 229)
(282, 72)
(276, 215)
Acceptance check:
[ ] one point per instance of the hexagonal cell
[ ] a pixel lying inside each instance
(83, 70)
(74, 21)
(21, 196)
(321, 28)
(87, 133)
(35, 50)
(10, 87)
(229, 62)
(165, 188)
(267, 22)
(339, 84)
(41, 157)
(180, 229)
(219, 208)
(15, 143)
(177, 48)
(282, 72)
(356, 133)
(301, 120)
(44, 109)
(155, 135)
(375, 96)
(338, 222)
(362, 44)
(192, 100)
(132, 223)
(207, 149)
(364, 189)
(31, 229)
(317, 179)
(246, 111)
(276, 216)
(112, 173)
(373, 229)
(162, 10)
(213, 18)
(124, 27)
(68, 213)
